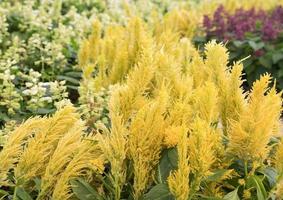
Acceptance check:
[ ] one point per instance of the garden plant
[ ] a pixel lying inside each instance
(113, 100)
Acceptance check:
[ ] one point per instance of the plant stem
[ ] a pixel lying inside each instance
(15, 193)
(246, 167)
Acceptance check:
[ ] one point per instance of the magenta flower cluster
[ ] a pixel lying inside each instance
(226, 26)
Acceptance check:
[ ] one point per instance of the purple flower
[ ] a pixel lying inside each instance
(225, 26)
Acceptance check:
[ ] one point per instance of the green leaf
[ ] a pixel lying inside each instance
(159, 192)
(69, 79)
(277, 57)
(271, 175)
(37, 182)
(44, 111)
(280, 73)
(232, 195)
(83, 190)
(217, 175)
(22, 194)
(256, 46)
(260, 190)
(74, 74)
(204, 197)
(238, 43)
(168, 162)
(266, 61)
(3, 192)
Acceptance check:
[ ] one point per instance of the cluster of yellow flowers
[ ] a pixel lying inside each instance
(51, 149)
(159, 93)
(165, 94)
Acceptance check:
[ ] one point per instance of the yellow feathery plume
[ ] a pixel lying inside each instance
(145, 140)
(94, 40)
(180, 21)
(171, 137)
(37, 152)
(216, 61)
(13, 148)
(84, 53)
(197, 69)
(62, 156)
(178, 181)
(34, 157)
(130, 97)
(80, 165)
(114, 147)
(249, 136)
(201, 149)
(232, 98)
(181, 112)
(279, 190)
(205, 102)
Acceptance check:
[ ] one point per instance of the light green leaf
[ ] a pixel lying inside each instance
(260, 189)
(256, 46)
(277, 57)
(232, 195)
(22, 194)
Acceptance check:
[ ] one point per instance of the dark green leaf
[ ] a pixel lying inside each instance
(159, 192)
(3, 192)
(83, 190)
(232, 195)
(168, 162)
(271, 175)
(74, 74)
(69, 79)
(266, 61)
(280, 73)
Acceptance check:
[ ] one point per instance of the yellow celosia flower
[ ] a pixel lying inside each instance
(86, 158)
(250, 135)
(206, 102)
(114, 147)
(36, 155)
(178, 180)
(146, 134)
(201, 148)
(62, 156)
(171, 137)
(12, 150)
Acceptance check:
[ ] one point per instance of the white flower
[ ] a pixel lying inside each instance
(29, 84)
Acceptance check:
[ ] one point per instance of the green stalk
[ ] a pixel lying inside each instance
(246, 168)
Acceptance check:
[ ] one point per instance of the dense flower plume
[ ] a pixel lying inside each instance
(239, 24)
(154, 115)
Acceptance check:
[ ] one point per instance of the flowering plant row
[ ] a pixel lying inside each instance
(180, 127)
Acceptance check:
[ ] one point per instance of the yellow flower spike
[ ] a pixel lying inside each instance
(250, 135)
(178, 181)
(171, 138)
(12, 150)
